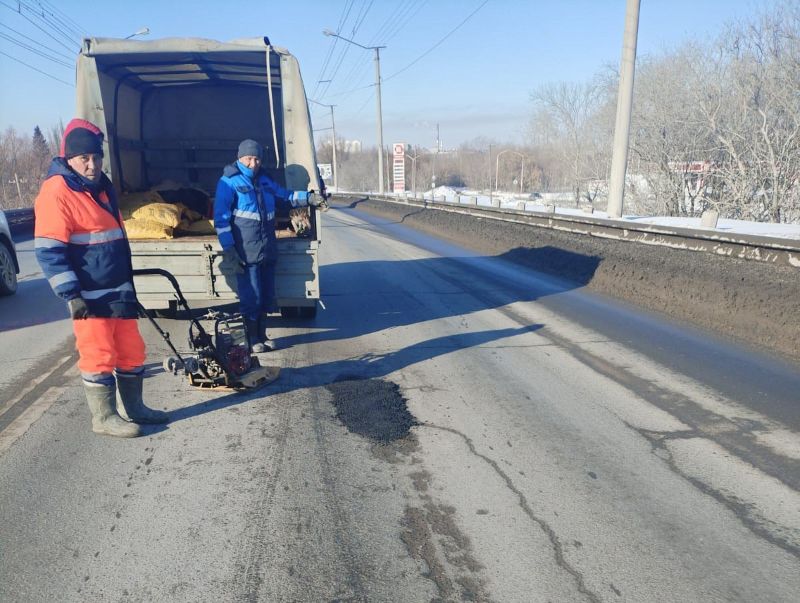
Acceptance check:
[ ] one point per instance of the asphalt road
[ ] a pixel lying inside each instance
(451, 428)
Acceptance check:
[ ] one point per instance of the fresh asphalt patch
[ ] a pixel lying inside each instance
(372, 408)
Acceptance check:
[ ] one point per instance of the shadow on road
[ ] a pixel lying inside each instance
(372, 296)
(366, 366)
(377, 296)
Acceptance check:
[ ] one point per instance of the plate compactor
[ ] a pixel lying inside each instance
(222, 361)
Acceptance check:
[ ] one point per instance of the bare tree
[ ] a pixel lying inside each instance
(670, 146)
(752, 110)
(565, 119)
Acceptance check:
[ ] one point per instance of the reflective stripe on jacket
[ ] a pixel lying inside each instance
(81, 244)
(244, 212)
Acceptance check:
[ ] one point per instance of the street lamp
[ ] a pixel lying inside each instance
(142, 31)
(377, 49)
(333, 127)
(497, 168)
(413, 159)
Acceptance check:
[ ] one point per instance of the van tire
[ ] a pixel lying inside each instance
(8, 271)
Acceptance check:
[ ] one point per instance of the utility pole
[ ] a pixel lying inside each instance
(619, 160)
(381, 189)
(335, 166)
(377, 49)
(490, 175)
(19, 191)
(335, 169)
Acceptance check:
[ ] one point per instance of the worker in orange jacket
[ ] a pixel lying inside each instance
(84, 254)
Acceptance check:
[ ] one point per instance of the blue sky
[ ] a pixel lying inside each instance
(476, 83)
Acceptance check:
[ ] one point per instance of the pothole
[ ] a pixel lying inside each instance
(372, 408)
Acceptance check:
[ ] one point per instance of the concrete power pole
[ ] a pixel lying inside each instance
(619, 160)
(381, 186)
(335, 167)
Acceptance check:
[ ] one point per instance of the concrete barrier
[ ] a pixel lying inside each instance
(709, 219)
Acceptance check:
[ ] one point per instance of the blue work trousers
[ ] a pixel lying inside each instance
(257, 289)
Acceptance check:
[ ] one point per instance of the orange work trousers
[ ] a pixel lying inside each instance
(106, 344)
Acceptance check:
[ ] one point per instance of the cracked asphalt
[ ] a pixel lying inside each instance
(452, 427)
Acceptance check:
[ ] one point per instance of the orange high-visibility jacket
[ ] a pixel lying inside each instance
(81, 244)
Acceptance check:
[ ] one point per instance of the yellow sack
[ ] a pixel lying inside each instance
(130, 202)
(189, 214)
(199, 227)
(165, 213)
(147, 229)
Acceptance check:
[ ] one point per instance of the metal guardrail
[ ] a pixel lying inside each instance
(747, 247)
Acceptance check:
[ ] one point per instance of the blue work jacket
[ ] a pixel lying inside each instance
(244, 212)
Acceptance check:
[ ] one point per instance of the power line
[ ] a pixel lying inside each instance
(76, 26)
(400, 25)
(76, 31)
(393, 25)
(439, 43)
(19, 12)
(360, 17)
(389, 22)
(22, 35)
(359, 21)
(35, 69)
(43, 18)
(348, 6)
(35, 51)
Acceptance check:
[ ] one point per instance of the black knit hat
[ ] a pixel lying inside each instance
(81, 138)
(250, 148)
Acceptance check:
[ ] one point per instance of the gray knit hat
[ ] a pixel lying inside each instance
(250, 148)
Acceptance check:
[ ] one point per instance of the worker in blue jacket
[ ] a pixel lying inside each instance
(244, 218)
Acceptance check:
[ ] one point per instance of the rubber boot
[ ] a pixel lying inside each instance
(253, 337)
(130, 405)
(105, 420)
(268, 344)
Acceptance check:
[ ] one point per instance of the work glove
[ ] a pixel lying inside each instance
(317, 200)
(231, 262)
(78, 309)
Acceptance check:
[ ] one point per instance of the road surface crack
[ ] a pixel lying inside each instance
(558, 547)
(743, 511)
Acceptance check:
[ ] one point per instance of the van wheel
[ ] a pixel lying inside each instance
(8, 272)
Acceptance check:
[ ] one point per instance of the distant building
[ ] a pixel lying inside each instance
(348, 146)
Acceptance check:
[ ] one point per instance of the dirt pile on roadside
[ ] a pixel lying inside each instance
(754, 302)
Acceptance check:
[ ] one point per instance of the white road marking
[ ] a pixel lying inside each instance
(7, 405)
(22, 423)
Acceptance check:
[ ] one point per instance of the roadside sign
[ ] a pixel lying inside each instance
(399, 167)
